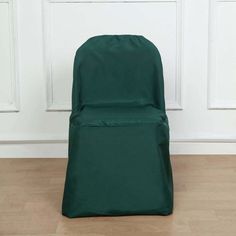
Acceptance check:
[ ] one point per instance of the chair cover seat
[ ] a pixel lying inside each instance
(118, 116)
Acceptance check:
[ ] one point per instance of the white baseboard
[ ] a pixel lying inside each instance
(33, 150)
(203, 148)
(59, 148)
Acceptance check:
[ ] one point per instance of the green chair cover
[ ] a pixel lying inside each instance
(119, 160)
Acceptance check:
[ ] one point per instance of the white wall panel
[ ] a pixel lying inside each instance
(69, 23)
(8, 60)
(222, 55)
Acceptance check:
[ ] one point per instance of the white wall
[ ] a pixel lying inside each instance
(38, 40)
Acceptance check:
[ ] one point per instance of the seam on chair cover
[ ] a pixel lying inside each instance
(115, 123)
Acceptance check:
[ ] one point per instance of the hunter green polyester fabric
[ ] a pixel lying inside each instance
(119, 160)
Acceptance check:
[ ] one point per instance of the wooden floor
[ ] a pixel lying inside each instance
(205, 201)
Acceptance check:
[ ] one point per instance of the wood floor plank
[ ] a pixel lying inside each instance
(205, 201)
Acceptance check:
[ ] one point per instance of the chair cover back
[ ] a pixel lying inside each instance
(118, 70)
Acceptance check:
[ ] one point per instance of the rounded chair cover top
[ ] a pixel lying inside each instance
(137, 80)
